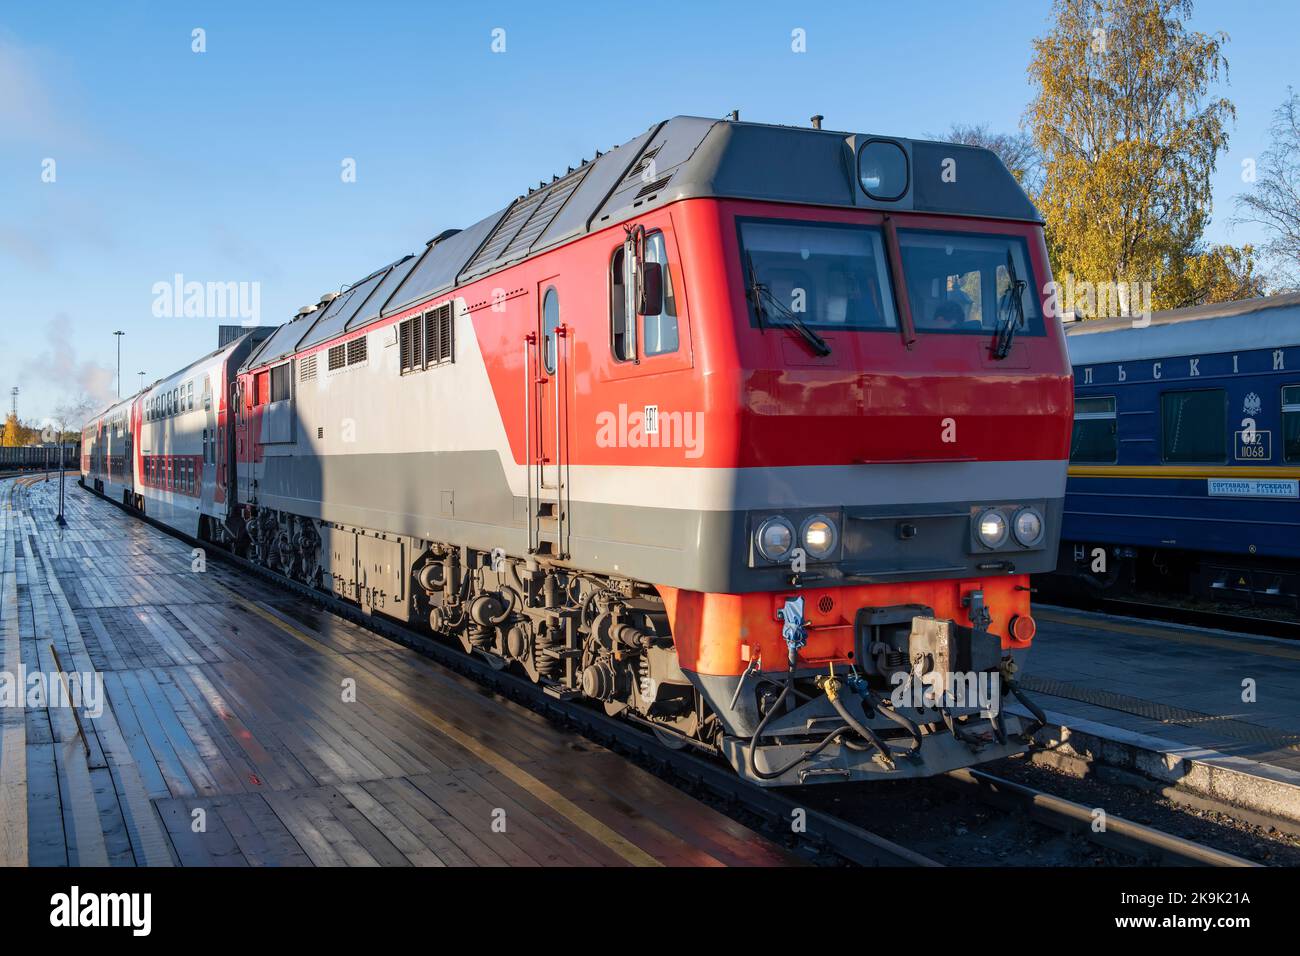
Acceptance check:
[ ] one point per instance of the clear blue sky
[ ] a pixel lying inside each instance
(225, 166)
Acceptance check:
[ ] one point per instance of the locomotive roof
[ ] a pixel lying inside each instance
(684, 157)
(1263, 323)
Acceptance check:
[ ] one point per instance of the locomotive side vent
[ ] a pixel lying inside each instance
(426, 340)
(307, 369)
(654, 187)
(337, 358)
(647, 159)
(437, 335)
(357, 351)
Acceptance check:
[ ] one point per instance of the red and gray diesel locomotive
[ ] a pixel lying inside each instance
(743, 431)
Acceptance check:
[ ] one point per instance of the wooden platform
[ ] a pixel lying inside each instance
(242, 730)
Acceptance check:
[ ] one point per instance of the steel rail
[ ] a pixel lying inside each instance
(1113, 832)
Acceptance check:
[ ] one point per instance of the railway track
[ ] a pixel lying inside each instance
(1242, 621)
(1284, 627)
(1114, 833)
(819, 836)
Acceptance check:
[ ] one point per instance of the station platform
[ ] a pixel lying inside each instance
(1213, 711)
(239, 729)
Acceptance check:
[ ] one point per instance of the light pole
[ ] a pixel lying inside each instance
(119, 362)
(63, 441)
(141, 374)
(13, 439)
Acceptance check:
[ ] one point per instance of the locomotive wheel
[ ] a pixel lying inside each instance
(670, 740)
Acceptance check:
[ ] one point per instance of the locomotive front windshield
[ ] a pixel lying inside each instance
(836, 276)
(961, 282)
(831, 276)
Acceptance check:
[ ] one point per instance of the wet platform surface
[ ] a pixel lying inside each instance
(239, 729)
(1181, 684)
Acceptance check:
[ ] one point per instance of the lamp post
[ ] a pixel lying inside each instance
(61, 521)
(141, 374)
(119, 362)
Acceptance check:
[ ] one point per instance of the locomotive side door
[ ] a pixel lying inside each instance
(548, 366)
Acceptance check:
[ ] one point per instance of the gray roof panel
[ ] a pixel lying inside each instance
(607, 171)
(374, 304)
(283, 342)
(983, 185)
(340, 312)
(441, 263)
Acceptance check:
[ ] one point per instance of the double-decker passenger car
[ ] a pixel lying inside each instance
(741, 430)
(1185, 461)
(107, 452)
(185, 459)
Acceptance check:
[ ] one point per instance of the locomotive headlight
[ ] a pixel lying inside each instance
(819, 537)
(774, 538)
(991, 529)
(1028, 526)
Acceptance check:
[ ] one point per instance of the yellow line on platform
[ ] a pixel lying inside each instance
(1172, 634)
(542, 791)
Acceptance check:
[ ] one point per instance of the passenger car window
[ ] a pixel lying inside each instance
(1194, 426)
(1094, 440)
(1291, 423)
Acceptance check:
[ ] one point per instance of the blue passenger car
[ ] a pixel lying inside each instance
(1185, 458)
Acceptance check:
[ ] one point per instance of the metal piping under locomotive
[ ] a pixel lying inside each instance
(751, 433)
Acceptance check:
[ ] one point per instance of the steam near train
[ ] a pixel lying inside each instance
(743, 431)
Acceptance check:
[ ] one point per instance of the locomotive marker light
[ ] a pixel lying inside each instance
(819, 536)
(1027, 526)
(775, 538)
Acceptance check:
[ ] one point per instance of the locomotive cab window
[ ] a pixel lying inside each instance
(967, 282)
(659, 330)
(1291, 423)
(827, 275)
(1093, 440)
(1194, 426)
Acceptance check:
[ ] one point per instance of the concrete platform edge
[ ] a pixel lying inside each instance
(1274, 791)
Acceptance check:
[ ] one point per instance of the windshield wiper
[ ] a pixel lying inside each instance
(758, 290)
(1011, 312)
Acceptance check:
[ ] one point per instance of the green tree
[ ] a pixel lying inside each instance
(1129, 135)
